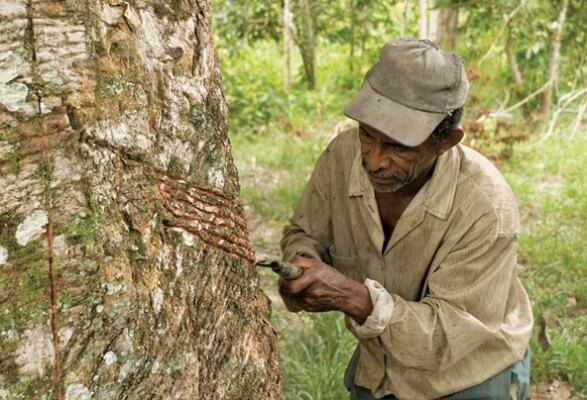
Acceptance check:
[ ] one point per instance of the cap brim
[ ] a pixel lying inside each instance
(405, 125)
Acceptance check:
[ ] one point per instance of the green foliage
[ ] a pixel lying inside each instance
(256, 97)
(253, 86)
(238, 22)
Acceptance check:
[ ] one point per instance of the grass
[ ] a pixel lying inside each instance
(550, 183)
(275, 159)
(314, 354)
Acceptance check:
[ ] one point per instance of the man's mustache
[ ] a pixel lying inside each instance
(382, 173)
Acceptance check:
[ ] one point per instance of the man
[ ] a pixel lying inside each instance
(413, 237)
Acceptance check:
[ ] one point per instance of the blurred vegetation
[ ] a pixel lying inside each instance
(549, 180)
(278, 132)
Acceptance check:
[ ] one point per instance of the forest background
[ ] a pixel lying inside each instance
(290, 67)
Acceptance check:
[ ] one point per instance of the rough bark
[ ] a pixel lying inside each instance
(124, 255)
(553, 60)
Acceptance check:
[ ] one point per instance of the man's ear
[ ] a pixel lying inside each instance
(453, 137)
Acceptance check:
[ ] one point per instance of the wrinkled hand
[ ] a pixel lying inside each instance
(323, 288)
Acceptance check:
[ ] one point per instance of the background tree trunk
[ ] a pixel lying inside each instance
(307, 43)
(124, 254)
(433, 24)
(365, 32)
(553, 60)
(443, 27)
(287, 41)
(512, 62)
(353, 22)
(423, 19)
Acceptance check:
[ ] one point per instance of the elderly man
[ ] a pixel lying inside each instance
(413, 237)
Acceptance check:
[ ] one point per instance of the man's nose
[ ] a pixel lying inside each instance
(376, 159)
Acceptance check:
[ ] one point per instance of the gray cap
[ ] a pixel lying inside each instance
(410, 90)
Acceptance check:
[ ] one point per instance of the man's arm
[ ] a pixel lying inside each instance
(305, 243)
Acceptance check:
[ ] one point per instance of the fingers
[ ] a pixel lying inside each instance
(295, 286)
(315, 272)
(313, 290)
(304, 262)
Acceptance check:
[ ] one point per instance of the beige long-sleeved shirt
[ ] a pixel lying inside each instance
(459, 313)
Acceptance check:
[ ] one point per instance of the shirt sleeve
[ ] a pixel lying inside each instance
(309, 231)
(464, 305)
(375, 323)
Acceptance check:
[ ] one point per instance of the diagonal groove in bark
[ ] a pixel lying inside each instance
(218, 226)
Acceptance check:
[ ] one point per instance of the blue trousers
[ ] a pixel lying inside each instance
(494, 388)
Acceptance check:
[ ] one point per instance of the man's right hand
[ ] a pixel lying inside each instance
(324, 288)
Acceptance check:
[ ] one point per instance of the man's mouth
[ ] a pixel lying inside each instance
(383, 180)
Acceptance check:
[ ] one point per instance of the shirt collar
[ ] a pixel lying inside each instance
(439, 190)
(442, 186)
(359, 181)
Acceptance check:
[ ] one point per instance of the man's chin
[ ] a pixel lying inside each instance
(391, 187)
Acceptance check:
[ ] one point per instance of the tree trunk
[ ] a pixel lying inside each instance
(512, 62)
(307, 43)
(365, 33)
(352, 11)
(423, 19)
(125, 262)
(433, 24)
(443, 27)
(553, 61)
(287, 41)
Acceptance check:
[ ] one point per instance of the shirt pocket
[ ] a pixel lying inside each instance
(348, 265)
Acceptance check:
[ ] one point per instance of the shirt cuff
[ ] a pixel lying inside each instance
(376, 323)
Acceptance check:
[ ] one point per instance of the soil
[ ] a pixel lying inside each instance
(556, 390)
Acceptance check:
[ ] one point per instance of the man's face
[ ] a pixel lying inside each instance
(390, 165)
